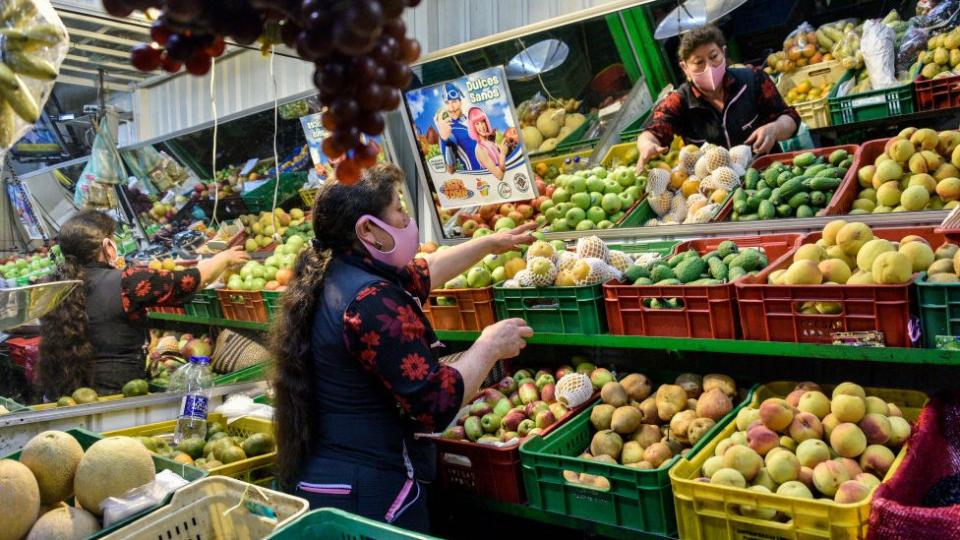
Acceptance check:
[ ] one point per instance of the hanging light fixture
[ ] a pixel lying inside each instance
(694, 14)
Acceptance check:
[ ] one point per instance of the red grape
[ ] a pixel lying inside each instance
(363, 68)
(333, 77)
(169, 64)
(288, 33)
(413, 3)
(346, 138)
(391, 100)
(370, 97)
(366, 155)
(331, 148)
(347, 172)
(183, 9)
(329, 122)
(159, 32)
(179, 47)
(351, 43)
(344, 109)
(371, 123)
(409, 50)
(399, 75)
(117, 8)
(145, 58)
(392, 8)
(368, 18)
(395, 28)
(199, 64)
(217, 48)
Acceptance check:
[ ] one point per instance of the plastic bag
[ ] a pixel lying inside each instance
(116, 509)
(800, 46)
(829, 34)
(913, 43)
(239, 405)
(33, 43)
(847, 50)
(878, 46)
(943, 16)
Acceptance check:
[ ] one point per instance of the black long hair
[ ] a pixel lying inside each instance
(335, 212)
(66, 355)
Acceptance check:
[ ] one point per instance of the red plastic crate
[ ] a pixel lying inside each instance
(708, 310)
(762, 162)
(484, 470)
(173, 310)
(25, 352)
(472, 309)
(772, 312)
(242, 305)
(936, 94)
(844, 196)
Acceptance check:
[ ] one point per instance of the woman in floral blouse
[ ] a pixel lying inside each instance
(96, 336)
(357, 371)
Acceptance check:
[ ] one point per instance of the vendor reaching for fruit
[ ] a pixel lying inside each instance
(96, 336)
(357, 373)
(717, 104)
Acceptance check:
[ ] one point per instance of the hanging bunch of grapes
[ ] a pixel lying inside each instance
(359, 47)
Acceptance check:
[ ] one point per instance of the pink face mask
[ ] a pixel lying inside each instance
(405, 242)
(709, 79)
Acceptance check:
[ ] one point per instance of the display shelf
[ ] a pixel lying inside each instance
(894, 355)
(525, 512)
(222, 323)
(902, 119)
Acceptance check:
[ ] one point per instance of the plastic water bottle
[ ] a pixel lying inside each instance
(197, 381)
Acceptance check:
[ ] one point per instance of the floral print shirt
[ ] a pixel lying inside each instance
(142, 288)
(387, 333)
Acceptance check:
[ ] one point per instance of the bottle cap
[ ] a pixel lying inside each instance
(199, 359)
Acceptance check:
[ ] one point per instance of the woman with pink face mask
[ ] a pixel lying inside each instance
(358, 372)
(491, 155)
(717, 104)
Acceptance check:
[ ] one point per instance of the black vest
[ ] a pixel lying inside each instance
(356, 418)
(117, 341)
(700, 122)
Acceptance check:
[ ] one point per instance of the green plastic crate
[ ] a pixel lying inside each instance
(263, 399)
(637, 216)
(635, 128)
(271, 300)
(939, 309)
(88, 438)
(334, 524)
(563, 310)
(872, 105)
(204, 304)
(261, 198)
(256, 372)
(12, 405)
(640, 500)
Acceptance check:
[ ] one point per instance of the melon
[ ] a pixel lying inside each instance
(550, 122)
(110, 468)
(532, 138)
(64, 523)
(52, 457)
(19, 499)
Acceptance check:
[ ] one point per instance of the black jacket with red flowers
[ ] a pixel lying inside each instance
(751, 100)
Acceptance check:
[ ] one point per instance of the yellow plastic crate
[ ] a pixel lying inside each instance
(49, 406)
(710, 512)
(308, 196)
(255, 470)
(815, 113)
(557, 161)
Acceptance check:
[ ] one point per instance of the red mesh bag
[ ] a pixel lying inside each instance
(933, 453)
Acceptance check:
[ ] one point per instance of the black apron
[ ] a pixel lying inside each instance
(118, 342)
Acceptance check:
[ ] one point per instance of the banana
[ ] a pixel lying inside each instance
(33, 38)
(19, 97)
(832, 33)
(30, 65)
(18, 11)
(823, 40)
(8, 125)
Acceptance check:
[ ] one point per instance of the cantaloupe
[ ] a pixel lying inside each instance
(64, 523)
(110, 468)
(52, 457)
(19, 499)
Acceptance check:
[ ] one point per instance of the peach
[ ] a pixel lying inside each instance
(793, 398)
(850, 492)
(849, 388)
(814, 401)
(788, 443)
(829, 422)
(848, 440)
(876, 405)
(805, 426)
(744, 460)
(783, 466)
(806, 476)
(763, 479)
(762, 439)
(691, 404)
(712, 465)
(809, 386)
(848, 408)
(853, 469)
(812, 451)
(867, 479)
(828, 476)
(656, 454)
(713, 404)
(739, 438)
(745, 417)
(723, 446)
(728, 477)
(776, 413)
(877, 459)
(876, 427)
(899, 431)
(794, 488)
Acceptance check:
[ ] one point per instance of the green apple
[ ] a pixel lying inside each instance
(611, 186)
(273, 261)
(626, 200)
(540, 220)
(560, 225)
(246, 272)
(493, 261)
(605, 224)
(599, 171)
(504, 223)
(538, 235)
(296, 241)
(258, 284)
(516, 254)
(287, 261)
(546, 205)
(551, 213)
(459, 282)
(596, 214)
(560, 195)
(611, 203)
(499, 274)
(595, 198)
(595, 183)
(269, 273)
(586, 225)
(257, 272)
(578, 184)
(481, 232)
(580, 200)
(558, 245)
(617, 217)
(235, 282)
(478, 277)
(576, 215)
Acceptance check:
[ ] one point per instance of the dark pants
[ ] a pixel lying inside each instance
(366, 491)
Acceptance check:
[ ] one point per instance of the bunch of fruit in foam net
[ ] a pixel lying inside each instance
(359, 47)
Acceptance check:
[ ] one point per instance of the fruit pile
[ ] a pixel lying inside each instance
(523, 404)
(801, 188)
(807, 90)
(725, 264)
(167, 263)
(260, 229)
(591, 199)
(698, 185)
(549, 265)
(52, 468)
(919, 169)
(945, 266)
(942, 57)
(643, 429)
(161, 213)
(494, 217)
(80, 396)
(545, 123)
(33, 267)
(811, 446)
(845, 247)
(169, 351)
(806, 46)
(216, 450)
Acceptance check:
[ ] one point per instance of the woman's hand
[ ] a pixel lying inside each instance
(233, 256)
(505, 339)
(210, 269)
(763, 138)
(504, 241)
(648, 147)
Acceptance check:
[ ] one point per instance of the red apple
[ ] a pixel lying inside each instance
(525, 210)
(506, 208)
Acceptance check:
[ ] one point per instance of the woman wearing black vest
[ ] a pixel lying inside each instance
(357, 368)
(96, 336)
(720, 105)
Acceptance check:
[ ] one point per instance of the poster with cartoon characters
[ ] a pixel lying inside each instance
(466, 131)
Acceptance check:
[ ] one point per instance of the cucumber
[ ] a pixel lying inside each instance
(783, 177)
(792, 187)
(799, 199)
(762, 184)
(766, 210)
(740, 207)
(804, 211)
(813, 170)
(805, 159)
(749, 217)
(775, 196)
(829, 172)
(846, 164)
(838, 156)
(797, 170)
(751, 178)
(784, 211)
(818, 199)
(820, 183)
